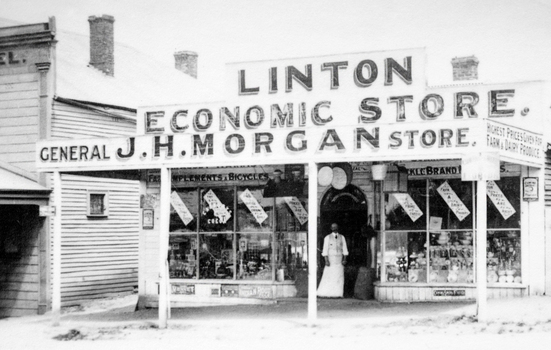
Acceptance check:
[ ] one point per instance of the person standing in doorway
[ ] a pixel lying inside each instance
(335, 253)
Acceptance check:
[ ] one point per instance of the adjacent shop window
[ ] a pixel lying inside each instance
(236, 232)
(98, 204)
(429, 232)
(504, 258)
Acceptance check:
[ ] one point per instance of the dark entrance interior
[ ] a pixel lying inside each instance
(347, 208)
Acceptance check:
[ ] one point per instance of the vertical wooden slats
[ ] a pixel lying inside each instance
(19, 119)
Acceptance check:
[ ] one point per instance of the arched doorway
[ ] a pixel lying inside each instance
(347, 208)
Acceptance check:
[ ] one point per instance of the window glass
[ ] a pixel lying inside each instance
(506, 212)
(182, 256)
(396, 216)
(291, 254)
(254, 212)
(406, 257)
(291, 211)
(217, 209)
(216, 256)
(254, 256)
(451, 204)
(451, 257)
(504, 258)
(184, 217)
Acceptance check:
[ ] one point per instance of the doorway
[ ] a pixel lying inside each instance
(347, 208)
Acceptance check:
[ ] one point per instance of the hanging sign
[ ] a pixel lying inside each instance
(254, 207)
(220, 210)
(480, 166)
(500, 201)
(409, 205)
(296, 207)
(180, 207)
(452, 200)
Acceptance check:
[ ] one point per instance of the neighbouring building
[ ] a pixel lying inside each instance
(58, 85)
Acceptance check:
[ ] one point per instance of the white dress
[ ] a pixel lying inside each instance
(332, 281)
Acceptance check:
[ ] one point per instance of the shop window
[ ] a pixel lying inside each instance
(232, 232)
(182, 256)
(504, 243)
(98, 204)
(439, 249)
(216, 256)
(183, 210)
(254, 256)
(407, 211)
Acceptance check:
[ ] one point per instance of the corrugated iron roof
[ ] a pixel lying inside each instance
(138, 80)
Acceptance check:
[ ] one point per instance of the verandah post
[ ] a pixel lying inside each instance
(56, 263)
(312, 240)
(481, 234)
(163, 245)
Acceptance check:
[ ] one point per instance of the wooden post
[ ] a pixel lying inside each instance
(481, 221)
(163, 245)
(56, 262)
(312, 241)
(382, 230)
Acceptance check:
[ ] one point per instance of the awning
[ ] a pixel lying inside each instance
(16, 188)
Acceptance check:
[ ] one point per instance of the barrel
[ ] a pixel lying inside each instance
(364, 288)
(342, 175)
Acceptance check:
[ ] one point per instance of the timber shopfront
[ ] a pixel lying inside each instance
(237, 195)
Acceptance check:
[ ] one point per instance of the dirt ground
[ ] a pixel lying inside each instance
(114, 324)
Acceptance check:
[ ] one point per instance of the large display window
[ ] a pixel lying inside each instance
(238, 232)
(429, 232)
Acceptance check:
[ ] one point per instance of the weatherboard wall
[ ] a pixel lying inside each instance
(99, 256)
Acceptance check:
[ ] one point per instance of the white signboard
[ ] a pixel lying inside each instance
(181, 208)
(480, 166)
(220, 210)
(254, 207)
(296, 207)
(453, 201)
(409, 205)
(514, 142)
(500, 201)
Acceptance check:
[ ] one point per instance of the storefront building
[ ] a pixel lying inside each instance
(238, 195)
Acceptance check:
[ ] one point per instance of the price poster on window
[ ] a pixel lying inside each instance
(450, 197)
(409, 205)
(254, 207)
(500, 201)
(296, 207)
(180, 207)
(219, 209)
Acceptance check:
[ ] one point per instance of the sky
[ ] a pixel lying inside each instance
(510, 38)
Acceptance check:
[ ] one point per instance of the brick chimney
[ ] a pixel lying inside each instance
(102, 44)
(186, 61)
(465, 68)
